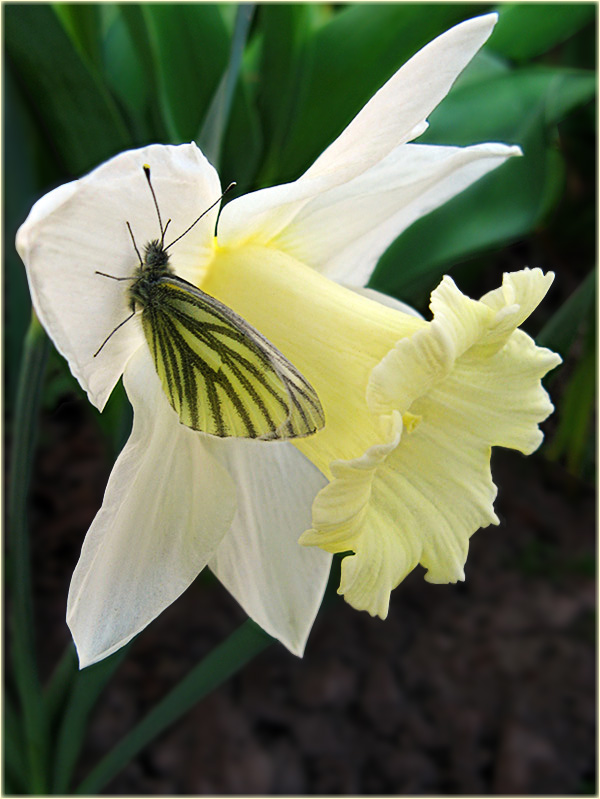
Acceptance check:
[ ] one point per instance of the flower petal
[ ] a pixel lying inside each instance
(344, 231)
(167, 506)
(394, 115)
(500, 398)
(459, 324)
(80, 228)
(400, 108)
(423, 499)
(278, 583)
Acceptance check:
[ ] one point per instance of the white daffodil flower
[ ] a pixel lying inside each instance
(400, 473)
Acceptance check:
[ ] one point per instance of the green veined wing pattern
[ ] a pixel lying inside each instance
(221, 375)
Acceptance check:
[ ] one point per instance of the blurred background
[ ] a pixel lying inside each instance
(484, 687)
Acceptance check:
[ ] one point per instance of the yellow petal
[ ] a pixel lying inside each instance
(464, 383)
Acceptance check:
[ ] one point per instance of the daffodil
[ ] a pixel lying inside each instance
(400, 473)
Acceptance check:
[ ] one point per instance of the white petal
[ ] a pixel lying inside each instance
(343, 232)
(400, 108)
(167, 505)
(279, 583)
(394, 115)
(81, 228)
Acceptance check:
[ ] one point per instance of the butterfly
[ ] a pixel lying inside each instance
(220, 374)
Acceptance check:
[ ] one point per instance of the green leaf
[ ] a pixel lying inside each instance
(58, 688)
(220, 664)
(525, 30)
(21, 187)
(242, 146)
(485, 65)
(88, 686)
(573, 438)
(286, 30)
(508, 203)
(22, 648)
(347, 60)
(560, 332)
(129, 79)
(211, 135)
(142, 93)
(75, 111)
(191, 43)
(82, 21)
(500, 108)
(13, 746)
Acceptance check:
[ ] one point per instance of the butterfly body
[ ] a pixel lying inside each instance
(145, 289)
(219, 373)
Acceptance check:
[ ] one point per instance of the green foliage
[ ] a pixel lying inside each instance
(525, 30)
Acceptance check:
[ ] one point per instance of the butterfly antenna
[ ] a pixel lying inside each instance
(115, 330)
(216, 202)
(162, 230)
(133, 240)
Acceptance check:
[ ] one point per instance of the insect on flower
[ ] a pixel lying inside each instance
(201, 348)
(399, 476)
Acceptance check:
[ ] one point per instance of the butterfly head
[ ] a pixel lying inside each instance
(155, 255)
(156, 260)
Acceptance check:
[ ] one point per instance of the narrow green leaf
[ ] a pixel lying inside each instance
(212, 132)
(125, 75)
(82, 21)
(76, 112)
(224, 661)
(15, 766)
(21, 619)
(525, 30)
(573, 439)
(191, 43)
(562, 329)
(59, 686)
(242, 146)
(286, 29)
(20, 190)
(143, 93)
(88, 686)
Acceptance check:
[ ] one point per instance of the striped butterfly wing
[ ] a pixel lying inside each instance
(221, 375)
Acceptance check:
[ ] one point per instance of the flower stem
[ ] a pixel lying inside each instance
(241, 646)
(29, 392)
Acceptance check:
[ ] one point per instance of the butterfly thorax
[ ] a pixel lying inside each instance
(146, 286)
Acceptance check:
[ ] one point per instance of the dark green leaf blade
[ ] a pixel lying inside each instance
(349, 59)
(560, 332)
(525, 30)
(191, 43)
(76, 112)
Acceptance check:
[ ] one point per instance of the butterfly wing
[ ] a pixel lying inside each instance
(221, 375)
